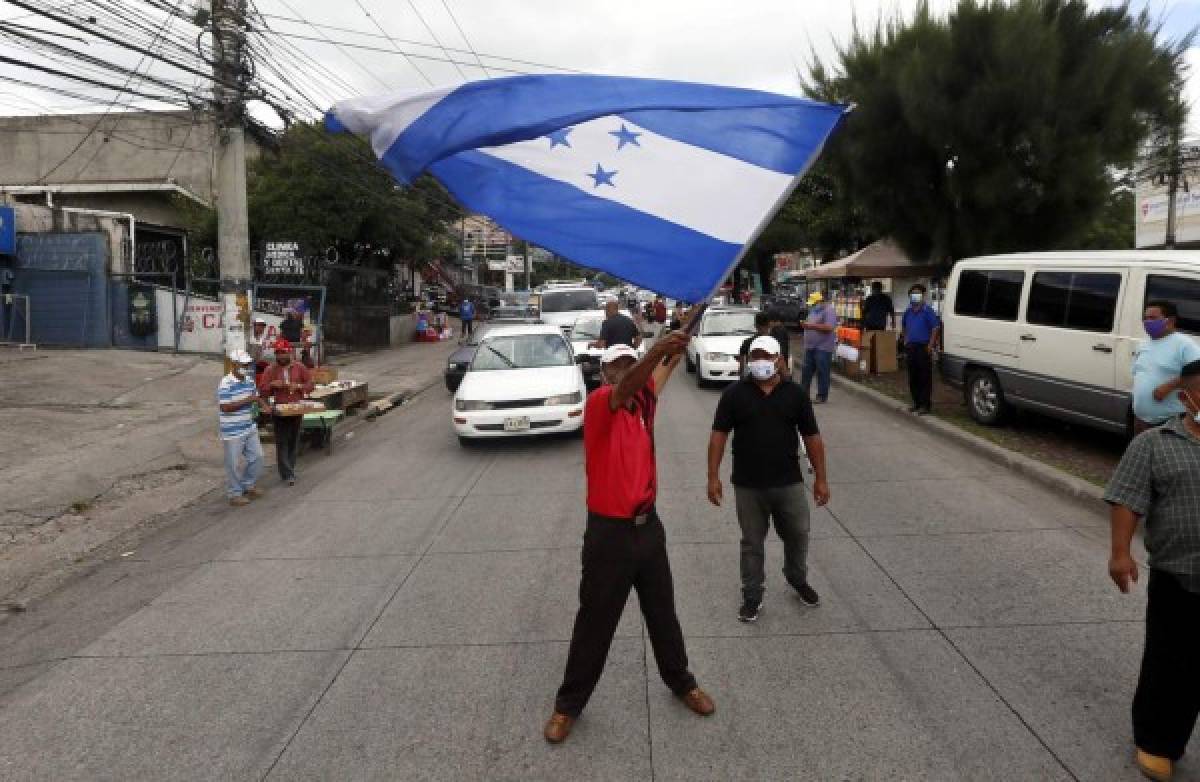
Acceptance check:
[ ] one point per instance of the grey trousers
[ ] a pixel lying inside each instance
(787, 507)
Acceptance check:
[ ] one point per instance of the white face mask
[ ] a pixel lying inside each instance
(916, 298)
(762, 369)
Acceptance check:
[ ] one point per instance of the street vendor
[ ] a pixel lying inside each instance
(286, 382)
(259, 347)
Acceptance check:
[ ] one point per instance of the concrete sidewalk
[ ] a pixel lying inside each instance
(98, 444)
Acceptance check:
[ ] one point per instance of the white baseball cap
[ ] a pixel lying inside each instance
(765, 344)
(241, 357)
(614, 352)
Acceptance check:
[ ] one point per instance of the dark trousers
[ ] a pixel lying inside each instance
(817, 363)
(617, 557)
(468, 326)
(920, 375)
(1168, 692)
(756, 509)
(287, 443)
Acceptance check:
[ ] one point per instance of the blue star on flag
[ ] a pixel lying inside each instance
(625, 136)
(559, 137)
(602, 177)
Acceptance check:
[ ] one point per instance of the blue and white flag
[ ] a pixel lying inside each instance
(659, 183)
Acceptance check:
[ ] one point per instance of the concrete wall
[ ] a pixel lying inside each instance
(125, 147)
(402, 329)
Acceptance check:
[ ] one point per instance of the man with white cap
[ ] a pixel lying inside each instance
(257, 346)
(768, 414)
(236, 397)
(624, 546)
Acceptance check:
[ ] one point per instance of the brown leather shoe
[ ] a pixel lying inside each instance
(254, 492)
(698, 701)
(1154, 767)
(239, 501)
(558, 728)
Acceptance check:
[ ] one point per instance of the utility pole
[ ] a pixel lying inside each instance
(528, 270)
(233, 222)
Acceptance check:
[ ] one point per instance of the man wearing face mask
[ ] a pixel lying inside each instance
(625, 546)
(1160, 360)
(287, 381)
(768, 414)
(236, 398)
(921, 328)
(1158, 484)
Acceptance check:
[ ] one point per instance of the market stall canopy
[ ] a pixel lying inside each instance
(881, 259)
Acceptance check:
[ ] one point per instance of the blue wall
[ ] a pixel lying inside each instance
(66, 277)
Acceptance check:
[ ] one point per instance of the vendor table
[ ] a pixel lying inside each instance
(324, 422)
(342, 398)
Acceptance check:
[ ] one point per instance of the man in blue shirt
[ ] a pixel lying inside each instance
(236, 398)
(921, 327)
(820, 340)
(1156, 369)
(466, 313)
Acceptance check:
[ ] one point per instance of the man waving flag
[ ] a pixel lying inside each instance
(659, 183)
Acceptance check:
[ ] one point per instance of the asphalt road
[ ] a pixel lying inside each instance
(403, 613)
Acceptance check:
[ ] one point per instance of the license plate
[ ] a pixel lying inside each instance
(516, 424)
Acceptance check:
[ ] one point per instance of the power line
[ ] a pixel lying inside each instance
(410, 60)
(433, 35)
(363, 47)
(466, 40)
(416, 43)
(128, 82)
(327, 39)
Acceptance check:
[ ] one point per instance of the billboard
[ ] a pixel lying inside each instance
(1151, 217)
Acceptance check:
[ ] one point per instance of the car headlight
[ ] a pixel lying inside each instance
(717, 357)
(465, 405)
(564, 399)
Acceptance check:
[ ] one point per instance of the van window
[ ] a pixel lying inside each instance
(992, 294)
(1086, 301)
(1183, 292)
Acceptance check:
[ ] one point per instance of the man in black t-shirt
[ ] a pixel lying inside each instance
(768, 414)
(617, 329)
(878, 309)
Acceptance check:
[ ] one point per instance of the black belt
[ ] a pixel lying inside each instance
(637, 521)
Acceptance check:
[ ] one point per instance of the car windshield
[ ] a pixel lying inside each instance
(522, 351)
(724, 324)
(569, 301)
(586, 328)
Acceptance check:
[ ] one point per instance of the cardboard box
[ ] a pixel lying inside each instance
(880, 347)
(323, 375)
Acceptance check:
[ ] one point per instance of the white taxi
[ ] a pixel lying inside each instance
(523, 380)
(713, 352)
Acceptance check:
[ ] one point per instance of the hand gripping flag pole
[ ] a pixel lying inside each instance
(663, 184)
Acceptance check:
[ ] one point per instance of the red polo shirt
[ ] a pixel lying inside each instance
(619, 453)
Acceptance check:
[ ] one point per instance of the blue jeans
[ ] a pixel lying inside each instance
(817, 362)
(243, 463)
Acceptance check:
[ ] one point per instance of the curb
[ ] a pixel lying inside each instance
(1050, 477)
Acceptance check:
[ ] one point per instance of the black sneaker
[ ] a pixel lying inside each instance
(749, 610)
(808, 595)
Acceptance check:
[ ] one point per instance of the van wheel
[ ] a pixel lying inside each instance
(687, 362)
(985, 398)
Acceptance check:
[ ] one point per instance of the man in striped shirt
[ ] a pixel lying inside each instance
(236, 397)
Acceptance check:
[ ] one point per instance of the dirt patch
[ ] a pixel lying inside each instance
(1084, 452)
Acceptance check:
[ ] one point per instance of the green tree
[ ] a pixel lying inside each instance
(994, 128)
(326, 190)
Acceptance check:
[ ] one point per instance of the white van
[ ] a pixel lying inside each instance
(1057, 332)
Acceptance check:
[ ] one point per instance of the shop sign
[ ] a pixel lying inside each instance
(282, 258)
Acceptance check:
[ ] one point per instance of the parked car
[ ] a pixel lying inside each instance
(1057, 332)
(712, 352)
(561, 306)
(788, 304)
(522, 380)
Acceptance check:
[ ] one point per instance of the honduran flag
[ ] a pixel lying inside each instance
(659, 183)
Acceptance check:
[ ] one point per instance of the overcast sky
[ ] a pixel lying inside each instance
(753, 44)
(756, 43)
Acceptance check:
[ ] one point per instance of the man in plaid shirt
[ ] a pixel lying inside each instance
(1158, 482)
